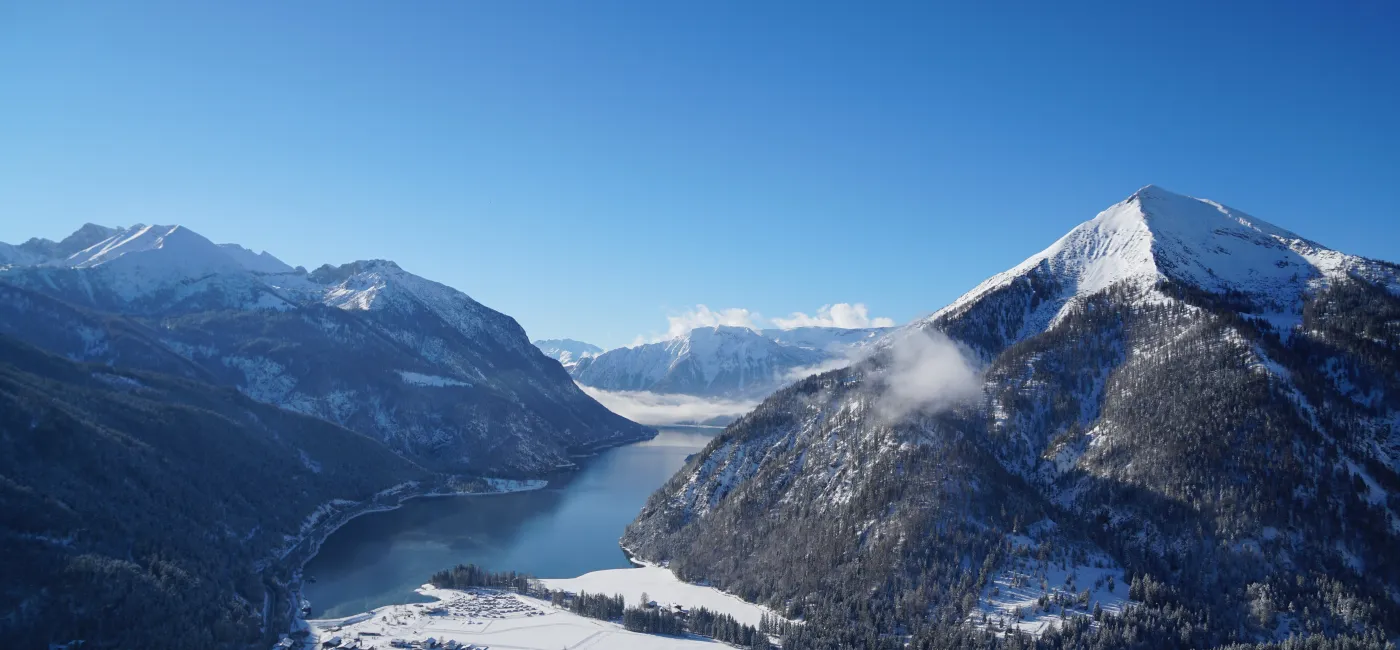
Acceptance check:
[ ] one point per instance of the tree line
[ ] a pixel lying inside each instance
(646, 619)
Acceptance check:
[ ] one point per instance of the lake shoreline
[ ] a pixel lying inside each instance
(580, 511)
(290, 589)
(308, 544)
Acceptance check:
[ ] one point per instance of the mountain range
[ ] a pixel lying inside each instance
(567, 352)
(1176, 426)
(724, 361)
(434, 375)
(180, 420)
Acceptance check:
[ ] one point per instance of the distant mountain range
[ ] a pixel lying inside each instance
(724, 361)
(567, 352)
(1179, 427)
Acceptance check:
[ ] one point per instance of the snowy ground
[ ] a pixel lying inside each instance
(1031, 594)
(662, 586)
(492, 619)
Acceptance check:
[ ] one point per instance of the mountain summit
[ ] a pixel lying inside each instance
(1156, 235)
(567, 352)
(1156, 238)
(1175, 398)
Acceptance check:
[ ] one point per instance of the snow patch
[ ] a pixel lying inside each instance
(1031, 595)
(420, 379)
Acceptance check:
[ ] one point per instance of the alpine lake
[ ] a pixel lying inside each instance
(567, 529)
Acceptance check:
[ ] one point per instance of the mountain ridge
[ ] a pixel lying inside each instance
(567, 352)
(338, 343)
(1121, 244)
(723, 361)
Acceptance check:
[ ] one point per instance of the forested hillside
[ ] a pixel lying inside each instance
(137, 509)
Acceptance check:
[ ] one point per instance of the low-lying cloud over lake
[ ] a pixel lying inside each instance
(659, 409)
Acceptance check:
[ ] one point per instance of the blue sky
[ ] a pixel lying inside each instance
(593, 167)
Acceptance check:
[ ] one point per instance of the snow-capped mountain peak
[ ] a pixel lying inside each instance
(39, 251)
(175, 246)
(358, 285)
(87, 235)
(1156, 235)
(713, 348)
(567, 352)
(375, 285)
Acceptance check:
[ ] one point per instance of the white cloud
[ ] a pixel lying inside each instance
(702, 316)
(928, 373)
(659, 409)
(804, 372)
(842, 314)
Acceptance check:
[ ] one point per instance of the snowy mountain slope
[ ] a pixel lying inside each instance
(15, 255)
(381, 287)
(263, 262)
(150, 270)
(1155, 236)
(708, 361)
(567, 352)
(178, 249)
(39, 251)
(836, 341)
(336, 343)
(725, 361)
(1208, 400)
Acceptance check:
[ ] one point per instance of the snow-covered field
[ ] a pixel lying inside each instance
(492, 619)
(662, 586)
(499, 619)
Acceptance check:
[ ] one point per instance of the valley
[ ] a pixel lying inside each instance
(1176, 419)
(484, 325)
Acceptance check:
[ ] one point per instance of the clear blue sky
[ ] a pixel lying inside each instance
(590, 167)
